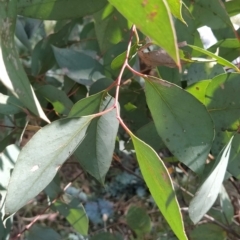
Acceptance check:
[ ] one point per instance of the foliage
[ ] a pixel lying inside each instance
(121, 100)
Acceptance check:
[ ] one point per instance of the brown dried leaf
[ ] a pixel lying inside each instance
(158, 57)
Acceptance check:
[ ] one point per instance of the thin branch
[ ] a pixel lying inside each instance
(48, 207)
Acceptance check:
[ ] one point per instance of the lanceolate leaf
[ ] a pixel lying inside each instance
(95, 152)
(154, 19)
(160, 185)
(11, 71)
(53, 10)
(182, 122)
(208, 192)
(41, 158)
(219, 60)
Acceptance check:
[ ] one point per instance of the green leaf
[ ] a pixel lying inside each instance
(154, 19)
(208, 231)
(148, 134)
(21, 34)
(53, 10)
(210, 13)
(208, 192)
(219, 60)
(75, 215)
(96, 151)
(110, 27)
(198, 90)
(138, 220)
(42, 56)
(87, 106)
(10, 105)
(223, 104)
(12, 74)
(78, 66)
(101, 85)
(119, 60)
(199, 71)
(37, 232)
(176, 9)
(61, 103)
(160, 185)
(227, 48)
(179, 118)
(232, 7)
(41, 158)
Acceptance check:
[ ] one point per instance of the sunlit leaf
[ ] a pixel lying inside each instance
(208, 192)
(198, 90)
(75, 215)
(160, 185)
(176, 9)
(154, 19)
(219, 60)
